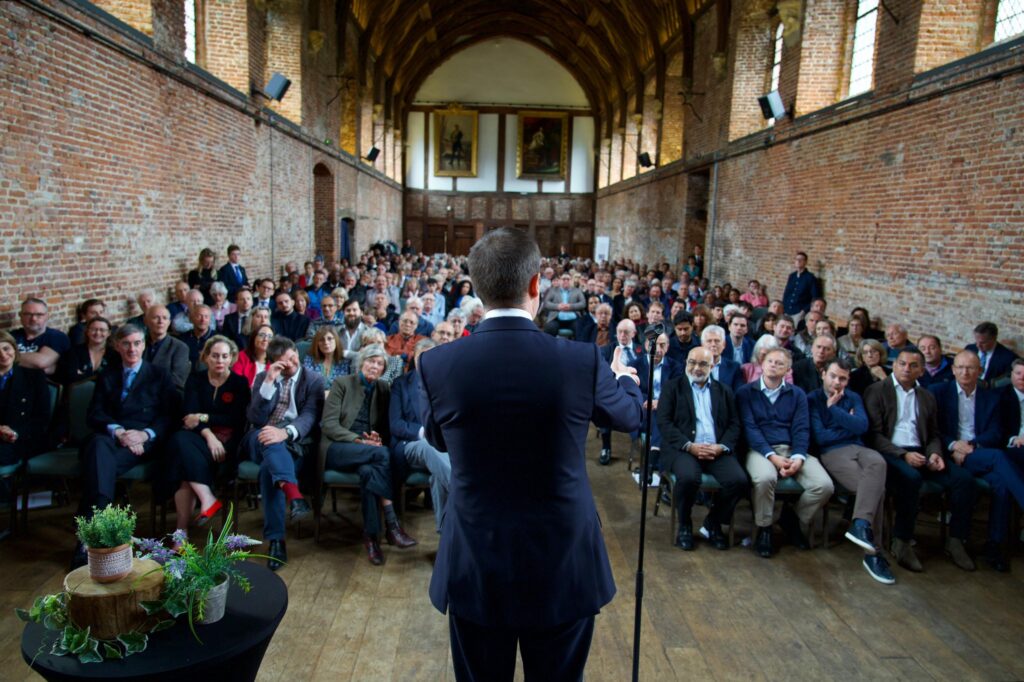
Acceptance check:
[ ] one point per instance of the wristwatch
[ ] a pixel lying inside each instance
(203, 418)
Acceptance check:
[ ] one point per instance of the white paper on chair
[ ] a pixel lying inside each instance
(38, 500)
(655, 479)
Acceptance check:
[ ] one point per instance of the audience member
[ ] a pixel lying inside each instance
(325, 356)
(801, 288)
(163, 350)
(807, 373)
(328, 318)
(39, 346)
(253, 359)
(682, 341)
(24, 406)
(457, 319)
(286, 321)
(562, 305)
(395, 364)
(443, 333)
(1011, 410)
(237, 325)
(180, 303)
(872, 368)
(937, 367)
(630, 351)
(849, 343)
(665, 368)
(203, 276)
(220, 308)
(89, 309)
(232, 274)
(996, 358)
(87, 359)
(896, 341)
(181, 324)
(724, 370)
(753, 295)
(145, 299)
(783, 332)
(738, 344)
(265, 294)
(596, 328)
(403, 342)
(201, 332)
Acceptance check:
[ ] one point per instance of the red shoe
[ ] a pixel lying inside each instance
(203, 518)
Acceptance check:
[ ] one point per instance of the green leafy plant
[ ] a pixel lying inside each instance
(111, 526)
(69, 639)
(193, 572)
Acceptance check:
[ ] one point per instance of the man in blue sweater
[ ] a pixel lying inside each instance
(776, 423)
(838, 420)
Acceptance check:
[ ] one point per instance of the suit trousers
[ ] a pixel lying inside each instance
(276, 464)
(372, 463)
(1006, 477)
(423, 456)
(812, 477)
(482, 653)
(104, 461)
(905, 481)
(727, 471)
(862, 471)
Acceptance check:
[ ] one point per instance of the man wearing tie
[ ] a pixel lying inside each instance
(236, 324)
(625, 333)
(232, 274)
(665, 368)
(521, 560)
(133, 409)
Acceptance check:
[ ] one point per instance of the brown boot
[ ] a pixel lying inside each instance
(398, 537)
(904, 555)
(956, 551)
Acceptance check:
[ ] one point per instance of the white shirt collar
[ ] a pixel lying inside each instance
(960, 390)
(764, 387)
(1020, 394)
(899, 387)
(508, 312)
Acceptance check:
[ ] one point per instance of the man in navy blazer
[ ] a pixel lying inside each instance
(738, 344)
(521, 558)
(665, 368)
(1011, 408)
(232, 273)
(996, 358)
(971, 432)
(625, 341)
(725, 370)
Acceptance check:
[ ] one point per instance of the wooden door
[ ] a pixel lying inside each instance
(435, 239)
(465, 235)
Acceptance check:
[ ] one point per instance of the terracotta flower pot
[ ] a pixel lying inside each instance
(110, 564)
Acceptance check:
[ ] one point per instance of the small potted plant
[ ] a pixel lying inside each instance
(107, 536)
(197, 579)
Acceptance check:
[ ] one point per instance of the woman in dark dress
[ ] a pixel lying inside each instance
(204, 275)
(214, 407)
(871, 355)
(86, 360)
(24, 406)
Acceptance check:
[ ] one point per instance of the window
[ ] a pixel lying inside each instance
(1009, 19)
(862, 63)
(192, 30)
(773, 83)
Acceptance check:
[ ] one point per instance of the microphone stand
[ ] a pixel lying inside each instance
(651, 336)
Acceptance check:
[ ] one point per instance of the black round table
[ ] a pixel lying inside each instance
(232, 648)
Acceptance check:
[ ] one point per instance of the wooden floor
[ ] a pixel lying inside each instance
(707, 614)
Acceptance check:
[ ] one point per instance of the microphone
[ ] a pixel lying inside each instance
(653, 331)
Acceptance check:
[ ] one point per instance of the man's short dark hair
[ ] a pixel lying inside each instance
(682, 316)
(912, 351)
(350, 302)
(1017, 362)
(937, 340)
(841, 363)
(126, 330)
(233, 248)
(278, 346)
(503, 262)
(987, 329)
(802, 253)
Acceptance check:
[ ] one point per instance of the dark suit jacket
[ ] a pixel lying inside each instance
(404, 411)
(609, 350)
(521, 542)
(309, 403)
(1000, 362)
(173, 357)
(677, 418)
(880, 403)
(729, 373)
(226, 274)
(230, 329)
(669, 370)
(293, 325)
(988, 430)
(677, 351)
(1009, 413)
(26, 409)
(153, 401)
(806, 375)
(748, 347)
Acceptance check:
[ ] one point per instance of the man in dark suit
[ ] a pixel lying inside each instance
(725, 370)
(234, 323)
(24, 406)
(133, 409)
(630, 350)
(700, 429)
(232, 273)
(521, 558)
(287, 322)
(163, 350)
(903, 428)
(969, 424)
(284, 415)
(665, 369)
(807, 372)
(738, 344)
(597, 329)
(1011, 409)
(996, 358)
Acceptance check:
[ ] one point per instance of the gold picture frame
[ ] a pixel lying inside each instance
(542, 145)
(454, 155)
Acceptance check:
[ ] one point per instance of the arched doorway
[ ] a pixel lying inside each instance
(325, 238)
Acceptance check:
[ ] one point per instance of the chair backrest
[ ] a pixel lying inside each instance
(54, 397)
(303, 348)
(79, 397)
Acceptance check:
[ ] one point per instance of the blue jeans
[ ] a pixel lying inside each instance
(422, 455)
(276, 464)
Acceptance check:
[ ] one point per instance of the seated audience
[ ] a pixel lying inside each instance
(783, 333)
(972, 433)
(89, 309)
(408, 443)
(457, 319)
(353, 432)
(180, 303)
(414, 304)
(203, 451)
(1011, 410)
(302, 308)
(635, 313)
(39, 347)
(996, 358)
(562, 306)
(849, 343)
(937, 367)
(838, 422)
(803, 339)
(665, 368)
(317, 291)
(285, 320)
(220, 308)
(204, 276)
(237, 325)
(403, 343)
(265, 294)
(202, 331)
(253, 359)
(395, 364)
(283, 414)
(753, 295)
(24, 406)
(433, 308)
(145, 299)
(325, 356)
(351, 328)
(682, 341)
(903, 419)
(132, 412)
(625, 333)
(596, 329)
(869, 330)
(896, 341)
(181, 324)
(871, 368)
(724, 370)
(443, 333)
(87, 359)
(328, 318)
(738, 344)
(700, 430)
(382, 315)
(776, 425)
(163, 350)
(807, 373)
(752, 370)
(655, 315)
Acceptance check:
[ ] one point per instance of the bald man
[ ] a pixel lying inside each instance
(625, 338)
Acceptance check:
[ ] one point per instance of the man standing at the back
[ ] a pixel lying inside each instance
(521, 559)
(801, 288)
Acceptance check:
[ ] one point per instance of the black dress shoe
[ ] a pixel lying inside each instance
(994, 557)
(373, 550)
(278, 555)
(791, 527)
(80, 557)
(666, 496)
(716, 537)
(399, 538)
(299, 509)
(606, 457)
(763, 543)
(684, 540)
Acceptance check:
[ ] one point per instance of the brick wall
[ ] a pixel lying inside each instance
(114, 176)
(227, 42)
(135, 13)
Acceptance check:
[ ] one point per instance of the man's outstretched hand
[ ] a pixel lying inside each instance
(619, 368)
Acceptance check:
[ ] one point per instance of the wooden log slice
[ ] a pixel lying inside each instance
(110, 609)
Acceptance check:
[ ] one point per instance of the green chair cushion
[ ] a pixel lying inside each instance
(788, 485)
(139, 472)
(930, 488)
(340, 478)
(63, 462)
(418, 478)
(709, 482)
(10, 469)
(983, 485)
(248, 470)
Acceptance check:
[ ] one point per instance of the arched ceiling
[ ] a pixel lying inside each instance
(609, 46)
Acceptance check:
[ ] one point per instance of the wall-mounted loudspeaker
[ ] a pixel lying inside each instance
(372, 155)
(771, 105)
(277, 87)
(644, 159)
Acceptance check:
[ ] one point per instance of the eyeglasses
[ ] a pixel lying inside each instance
(701, 365)
(264, 336)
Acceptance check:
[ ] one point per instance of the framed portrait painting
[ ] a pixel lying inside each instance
(455, 141)
(543, 144)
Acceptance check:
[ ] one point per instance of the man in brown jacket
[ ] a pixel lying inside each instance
(904, 429)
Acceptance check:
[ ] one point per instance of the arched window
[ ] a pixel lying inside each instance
(862, 62)
(776, 69)
(1009, 19)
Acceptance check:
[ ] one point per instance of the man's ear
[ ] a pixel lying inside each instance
(534, 289)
